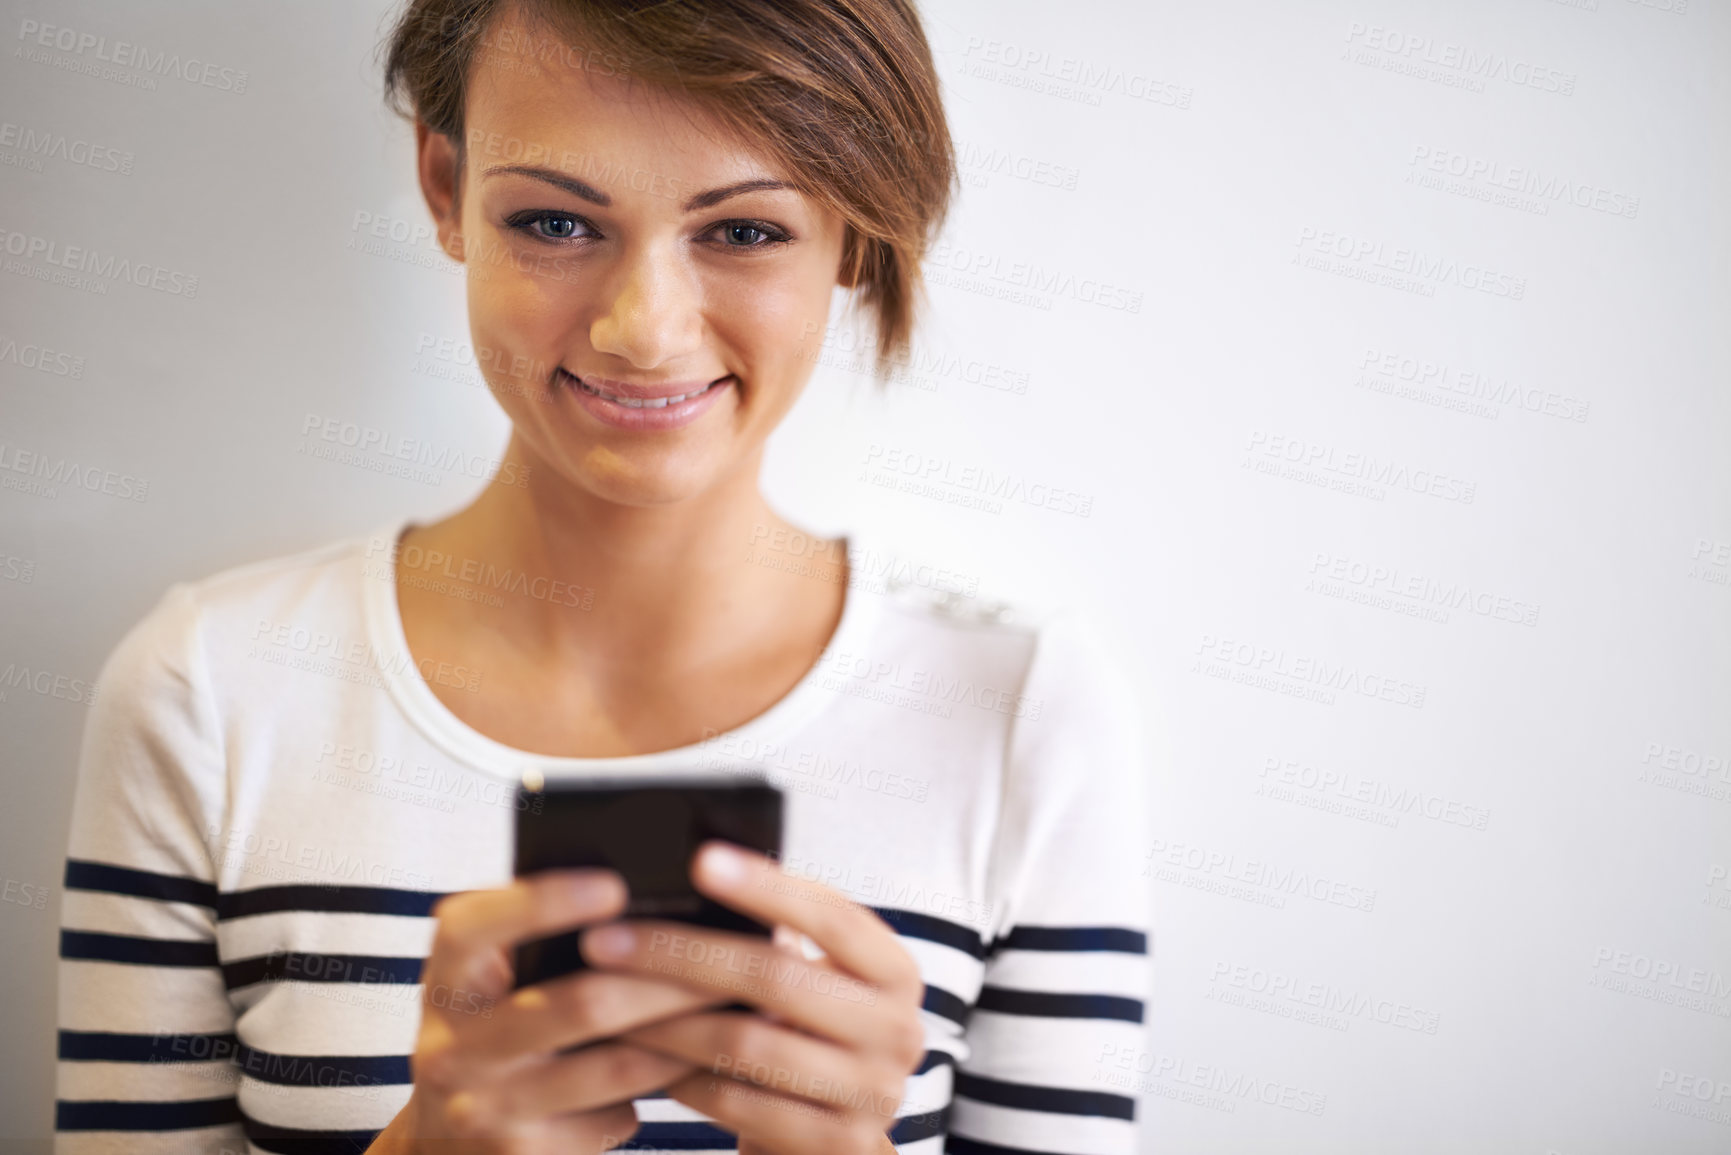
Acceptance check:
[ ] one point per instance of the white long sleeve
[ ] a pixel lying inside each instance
(1066, 982)
(146, 1040)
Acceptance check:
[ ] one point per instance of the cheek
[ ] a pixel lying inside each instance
(520, 323)
(521, 301)
(775, 318)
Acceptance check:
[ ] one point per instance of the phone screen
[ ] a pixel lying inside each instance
(648, 831)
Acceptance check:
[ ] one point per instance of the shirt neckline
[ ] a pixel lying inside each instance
(412, 695)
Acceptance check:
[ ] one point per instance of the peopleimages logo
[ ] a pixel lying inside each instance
(296, 646)
(1419, 589)
(58, 146)
(1168, 862)
(1546, 187)
(1235, 1085)
(1681, 1093)
(986, 161)
(393, 448)
(1423, 269)
(46, 473)
(1085, 77)
(933, 475)
(46, 683)
(1665, 980)
(40, 358)
(124, 54)
(1466, 383)
(1282, 992)
(92, 263)
(1218, 656)
(1458, 59)
(1032, 277)
(1330, 786)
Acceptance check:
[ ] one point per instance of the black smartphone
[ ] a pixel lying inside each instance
(648, 830)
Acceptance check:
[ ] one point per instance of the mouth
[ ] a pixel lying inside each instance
(645, 408)
(639, 401)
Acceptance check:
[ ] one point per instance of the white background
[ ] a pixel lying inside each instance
(1506, 799)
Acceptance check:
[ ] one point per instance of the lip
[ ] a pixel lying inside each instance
(670, 416)
(645, 392)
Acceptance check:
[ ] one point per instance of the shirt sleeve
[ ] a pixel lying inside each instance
(146, 1040)
(1068, 972)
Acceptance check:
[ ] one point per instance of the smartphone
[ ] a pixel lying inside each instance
(648, 830)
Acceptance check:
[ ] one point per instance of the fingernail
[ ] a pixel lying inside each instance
(724, 864)
(615, 941)
(588, 888)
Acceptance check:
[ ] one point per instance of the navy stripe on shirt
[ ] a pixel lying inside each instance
(326, 900)
(1122, 940)
(105, 878)
(961, 1145)
(157, 1047)
(691, 1136)
(93, 946)
(1057, 1100)
(310, 967)
(915, 924)
(324, 1070)
(1008, 1001)
(935, 1059)
(108, 1115)
(913, 1128)
(944, 1004)
(293, 1141)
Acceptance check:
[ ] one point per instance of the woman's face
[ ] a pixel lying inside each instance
(620, 248)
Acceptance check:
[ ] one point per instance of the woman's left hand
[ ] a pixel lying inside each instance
(824, 1067)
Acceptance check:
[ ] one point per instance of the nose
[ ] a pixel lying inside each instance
(651, 312)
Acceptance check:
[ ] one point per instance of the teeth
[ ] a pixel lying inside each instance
(642, 403)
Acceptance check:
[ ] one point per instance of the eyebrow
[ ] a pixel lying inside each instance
(588, 192)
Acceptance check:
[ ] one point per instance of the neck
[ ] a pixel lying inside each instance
(670, 584)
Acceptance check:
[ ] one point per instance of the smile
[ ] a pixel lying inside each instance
(636, 407)
(642, 402)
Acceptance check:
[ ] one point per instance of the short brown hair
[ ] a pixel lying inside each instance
(842, 94)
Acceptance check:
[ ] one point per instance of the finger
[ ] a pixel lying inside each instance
(595, 1077)
(819, 998)
(576, 1009)
(787, 939)
(791, 941)
(854, 936)
(751, 1050)
(775, 1121)
(600, 1130)
(474, 928)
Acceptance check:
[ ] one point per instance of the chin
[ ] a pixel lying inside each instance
(648, 483)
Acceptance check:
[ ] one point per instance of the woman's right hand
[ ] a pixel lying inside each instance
(487, 1076)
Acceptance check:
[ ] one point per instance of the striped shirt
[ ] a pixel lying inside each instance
(271, 798)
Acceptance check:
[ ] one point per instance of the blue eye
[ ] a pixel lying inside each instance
(552, 226)
(751, 235)
(558, 228)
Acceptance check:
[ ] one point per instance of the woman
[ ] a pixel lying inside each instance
(289, 906)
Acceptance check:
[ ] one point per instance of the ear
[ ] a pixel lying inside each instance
(436, 164)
